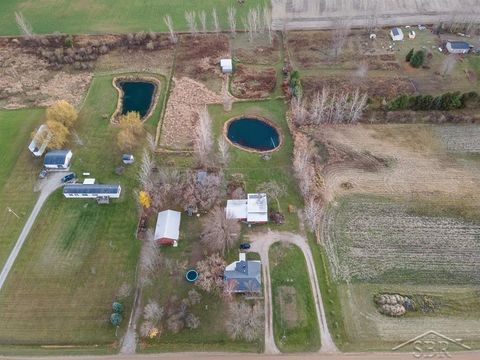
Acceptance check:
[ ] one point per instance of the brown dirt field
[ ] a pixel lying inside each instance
(186, 99)
(26, 81)
(287, 298)
(417, 163)
(250, 83)
(376, 86)
(199, 57)
(267, 54)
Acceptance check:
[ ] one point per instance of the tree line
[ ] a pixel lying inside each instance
(447, 101)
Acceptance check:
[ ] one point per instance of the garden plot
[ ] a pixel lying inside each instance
(460, 138)
(258, 52)
(249, 82)
(376, 240)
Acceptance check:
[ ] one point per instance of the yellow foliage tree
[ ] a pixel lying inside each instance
(59, 134)
(131, 121)
(126, 140)
(62, 112)
(144, 199)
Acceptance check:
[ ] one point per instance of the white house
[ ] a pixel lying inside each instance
(458, 47)
(42, 133)
(253, 209)
(226, 65)
(396, 34)
(92, 191)
(57, 159)
(167, 230)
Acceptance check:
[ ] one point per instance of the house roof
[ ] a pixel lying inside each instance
(168, 225)
(55, 157)
(397, 31)
(236, 209)
(91, 189)
(246, 274)
(461, 45)
(257, 207)
(226, 63)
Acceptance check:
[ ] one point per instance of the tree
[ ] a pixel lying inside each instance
(209, 190)
(144, 199)
(58, 134)
(23, 24)
(115, 319)
(313, 214)
(62, 112)
(339, 36)
(409, 55)
(216, 25)
(190, 17)
(299, 111)
(210, 278)
(117, 307)
(202, 15)
(203, 143)
(126, 140)
(245, 321)
(417, 59)
(223, 153)
(191, 321)
(194, 297)
(274, 190)
(168, 21)
(145, 172)
(267, 22)
(132, 122)
(232, 20)
(153, 312)
(219, 233)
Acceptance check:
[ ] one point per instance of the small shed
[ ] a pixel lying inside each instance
(396, 34)
(458, 47)
(412, 35)
(128, 159)
(40, 141)
(226, 65)
(254, 209)
(167, 230)
(57, 159)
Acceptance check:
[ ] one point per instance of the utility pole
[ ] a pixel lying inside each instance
(12, 212)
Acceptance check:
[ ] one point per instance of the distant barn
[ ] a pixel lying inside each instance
(458, 47)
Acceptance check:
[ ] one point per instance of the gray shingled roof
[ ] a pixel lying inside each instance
(55, 157)
(90, 189)
(247, 275)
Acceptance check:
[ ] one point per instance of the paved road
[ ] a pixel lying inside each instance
(46, 187)
(261, 243)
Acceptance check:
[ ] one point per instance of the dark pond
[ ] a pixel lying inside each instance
(253, 133)
(137, 96)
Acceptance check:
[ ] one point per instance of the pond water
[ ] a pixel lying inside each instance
(253, 133)
(137, 96)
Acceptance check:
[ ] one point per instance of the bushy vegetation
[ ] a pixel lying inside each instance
(417, 59)
(447, 101)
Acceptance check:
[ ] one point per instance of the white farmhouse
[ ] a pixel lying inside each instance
(92, 191)
(57, 159)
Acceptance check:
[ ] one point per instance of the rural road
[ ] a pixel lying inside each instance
(261, 243)
(46, 187)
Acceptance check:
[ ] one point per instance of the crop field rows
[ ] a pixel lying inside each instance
(373, 240)
(460, 138)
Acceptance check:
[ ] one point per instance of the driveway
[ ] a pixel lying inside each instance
(261, 243)
(46, 187)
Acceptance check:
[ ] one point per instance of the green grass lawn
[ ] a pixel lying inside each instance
(18, 173)
(78, 253)
(110, 16)
(295, 325)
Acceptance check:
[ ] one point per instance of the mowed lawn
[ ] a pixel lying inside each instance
(78, 253)
(18, 174)
(107, 16)
(294, 320)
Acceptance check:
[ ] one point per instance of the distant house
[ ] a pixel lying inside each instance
(92, 191)
(243, 275)
(226, 65)
(254, 209)
(396, 34)
(35, 147)
(57, 159)
(167, 230)
(128, 159)
(458, 47)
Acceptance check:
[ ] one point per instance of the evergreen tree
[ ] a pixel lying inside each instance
(409, 55)
(417, 59)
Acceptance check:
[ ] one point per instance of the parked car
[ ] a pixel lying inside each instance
(245, 246)
(68, 178)
(43, 174)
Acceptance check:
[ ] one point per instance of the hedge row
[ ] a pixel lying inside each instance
(447, 101)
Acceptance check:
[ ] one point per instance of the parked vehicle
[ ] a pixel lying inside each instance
(68, 178)
(245, 246)
(43, 174)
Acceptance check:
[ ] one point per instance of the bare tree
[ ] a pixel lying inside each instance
(168, 21)
(210, 278)
(191, 18)
(203, 145)
(191, 321)
(23, 24)
(251, 23)
(194, 297)
(245, 321)
(145, 171)
(299, 111)
(153, 312)
(274, 190)
(229, 287)
(202, 15)
(302, 164)
(232, 20)
(358, 102)
(267, 22)
(313, 214)
(209, 191)
(151, 143)
(219, 233)
(149, 259)
(216, 24)
(339, 37)
(223, 150)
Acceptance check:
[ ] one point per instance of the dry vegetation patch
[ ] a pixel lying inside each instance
(251, 83)
(258, 52)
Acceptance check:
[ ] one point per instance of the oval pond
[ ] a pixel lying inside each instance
(253, 133)
(137, 96)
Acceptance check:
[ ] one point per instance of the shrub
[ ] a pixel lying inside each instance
(115, 319)
(69, 41)
(117, 307)
(296, 84)
(409, 55)
(418, 58)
